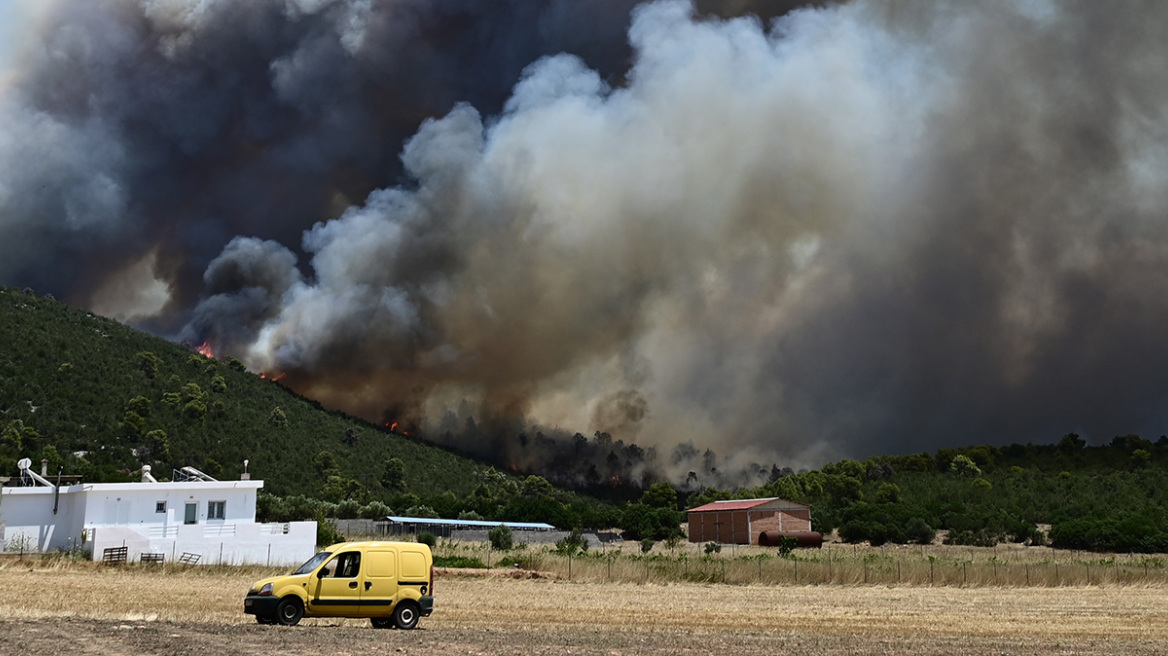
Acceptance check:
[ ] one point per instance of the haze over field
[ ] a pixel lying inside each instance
(858, 228)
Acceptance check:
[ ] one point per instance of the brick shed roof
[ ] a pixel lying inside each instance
(742, 504)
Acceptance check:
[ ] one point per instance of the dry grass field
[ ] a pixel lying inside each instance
(82, 608)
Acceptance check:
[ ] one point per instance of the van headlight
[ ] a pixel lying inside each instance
(265, 591)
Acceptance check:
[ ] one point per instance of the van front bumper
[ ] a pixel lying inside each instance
(263, 606)
(427, 605)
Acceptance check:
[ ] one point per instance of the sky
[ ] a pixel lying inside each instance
(786, 233)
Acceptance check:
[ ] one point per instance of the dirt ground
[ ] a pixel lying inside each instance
(139, 613)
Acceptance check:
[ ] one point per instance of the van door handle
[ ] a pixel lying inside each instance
(353, 584)
(368, 584)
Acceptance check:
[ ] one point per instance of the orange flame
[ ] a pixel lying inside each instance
(275, 378)
(206, 350)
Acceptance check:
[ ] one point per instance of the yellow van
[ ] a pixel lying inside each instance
(392, 583)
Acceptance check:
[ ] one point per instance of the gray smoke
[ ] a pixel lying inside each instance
(853, 229)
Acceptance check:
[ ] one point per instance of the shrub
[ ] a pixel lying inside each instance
(712, 548)
(375, 510)
(573, 544)
(348, 509)
(427, 538)
(459, 561)
(919, 531)
(326, 533)
(502, 538)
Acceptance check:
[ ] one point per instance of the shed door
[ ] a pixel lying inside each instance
(192, 513)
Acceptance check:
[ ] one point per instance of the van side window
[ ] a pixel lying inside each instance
(347, 565)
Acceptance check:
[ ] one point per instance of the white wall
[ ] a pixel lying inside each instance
(26, 514)
(125, 514)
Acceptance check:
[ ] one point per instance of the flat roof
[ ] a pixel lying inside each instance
(139, 487)
(476, 523)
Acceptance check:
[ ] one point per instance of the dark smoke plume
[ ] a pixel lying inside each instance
(839, 230)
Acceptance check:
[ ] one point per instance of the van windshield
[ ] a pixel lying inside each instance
(313, 563)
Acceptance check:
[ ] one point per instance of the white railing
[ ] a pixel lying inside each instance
(218, 530)
(274, 529)
(161, 532)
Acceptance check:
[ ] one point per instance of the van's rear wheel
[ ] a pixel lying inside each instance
(289, 611)
(382, 622)
(406, 615)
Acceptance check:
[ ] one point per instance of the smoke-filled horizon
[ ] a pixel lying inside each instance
(836, 231)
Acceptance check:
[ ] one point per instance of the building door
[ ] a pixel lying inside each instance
(192, 513)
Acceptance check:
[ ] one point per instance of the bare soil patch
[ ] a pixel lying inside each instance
(143, 611)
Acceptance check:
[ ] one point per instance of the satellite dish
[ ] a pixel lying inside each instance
(23, 463)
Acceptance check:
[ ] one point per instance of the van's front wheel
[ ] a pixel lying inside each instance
(289, 611)
(406, 615)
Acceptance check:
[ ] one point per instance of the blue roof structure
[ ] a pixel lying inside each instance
(472, 523)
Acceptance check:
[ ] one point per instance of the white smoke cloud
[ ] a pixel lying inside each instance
(856, 229)
(784, 239)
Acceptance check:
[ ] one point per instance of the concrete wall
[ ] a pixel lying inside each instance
(286, 544)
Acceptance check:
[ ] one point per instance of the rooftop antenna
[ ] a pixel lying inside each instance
(27, 474)
(245, 476)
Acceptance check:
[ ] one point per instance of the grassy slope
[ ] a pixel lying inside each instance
(69, 375)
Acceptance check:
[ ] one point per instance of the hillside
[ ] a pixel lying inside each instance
(75, 383)
(102, 399)
(1107, 497)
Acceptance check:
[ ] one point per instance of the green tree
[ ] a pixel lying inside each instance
(660, 495)
(339, 488)
(148, 364)
(140, 405)
(277, 418)
(888, 493)
(393, 479)
(17, 437)
(963, 466)
(325, 464)
(536, 487)
(157, 445)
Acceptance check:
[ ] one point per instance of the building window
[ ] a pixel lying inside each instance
(159, 506)
(216, 510)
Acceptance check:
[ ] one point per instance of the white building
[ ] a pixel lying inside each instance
(198, 520)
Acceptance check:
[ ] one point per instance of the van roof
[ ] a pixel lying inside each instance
(375, 543)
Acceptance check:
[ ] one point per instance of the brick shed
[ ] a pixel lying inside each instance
(741, 521)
